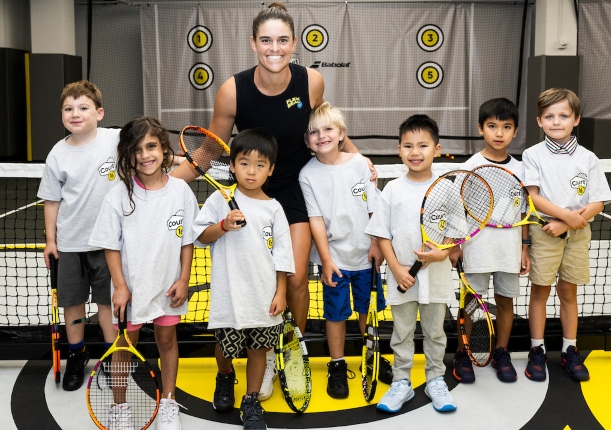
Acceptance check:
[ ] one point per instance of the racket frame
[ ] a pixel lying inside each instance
(226, 191)
(413, 271)
(465, 289)
(531, 212)
(115, 348)
(55, 333)
(372, 336)
(280, 364)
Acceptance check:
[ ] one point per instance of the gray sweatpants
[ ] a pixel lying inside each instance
(402, 340)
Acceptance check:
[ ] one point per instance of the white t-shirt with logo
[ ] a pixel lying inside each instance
(79, 177)
(568, 181)
(245, 261)
(150, 241)
(344, 196)
(494, 249)
(397, 218)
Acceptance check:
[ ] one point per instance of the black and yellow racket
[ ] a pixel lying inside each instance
(293, 365)
(54, 320)
(122, 391)
(209, 155)
(454, 209)
(370, 358)
(513, 206)
(476, 328)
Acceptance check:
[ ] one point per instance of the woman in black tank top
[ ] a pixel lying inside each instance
(278, 97)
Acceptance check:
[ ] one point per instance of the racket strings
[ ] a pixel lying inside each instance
(210, 156)
(123, 388)
(476, 328)
(455, 208)
(509, 196)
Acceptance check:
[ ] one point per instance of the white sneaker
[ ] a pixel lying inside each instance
(400, 392)
(438, 392)
(169, 416)
(120, 417)
(267, 386)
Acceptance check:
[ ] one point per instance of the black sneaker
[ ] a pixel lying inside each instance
(385, 371)
(251, 412)
(75, 369)
(337, 379)
(463, 367)
(224, 398)
(573, 366)
(535, 369)
(501, 361)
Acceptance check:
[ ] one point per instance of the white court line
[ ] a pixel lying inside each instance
(21, 208)
(605, 215)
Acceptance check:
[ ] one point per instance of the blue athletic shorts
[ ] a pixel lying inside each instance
(336, 299)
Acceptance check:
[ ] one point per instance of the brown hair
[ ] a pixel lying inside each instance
(276, 10)
(82, 88)
(556, 95)
(129, 138)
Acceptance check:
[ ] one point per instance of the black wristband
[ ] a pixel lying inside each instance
(527, 242)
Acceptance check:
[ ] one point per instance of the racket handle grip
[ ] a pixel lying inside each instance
(233, 205)
(413, 271)
(562, 236)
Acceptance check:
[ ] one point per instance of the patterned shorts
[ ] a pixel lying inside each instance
(234, 342)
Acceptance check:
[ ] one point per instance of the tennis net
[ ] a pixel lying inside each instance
(24, 284)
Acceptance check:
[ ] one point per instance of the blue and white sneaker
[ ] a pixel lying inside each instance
(400, 392)
(438, 392)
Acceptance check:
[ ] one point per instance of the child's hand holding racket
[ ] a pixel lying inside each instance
(404, 279)
(234, 221)
(556, 228)
(433, 255)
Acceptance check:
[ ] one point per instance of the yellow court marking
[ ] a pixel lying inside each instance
(597, 390)
(196, 376)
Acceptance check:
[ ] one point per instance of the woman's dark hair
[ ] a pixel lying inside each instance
(276, 10)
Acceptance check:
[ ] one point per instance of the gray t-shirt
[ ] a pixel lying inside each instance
(569, 181)
(494, 249)
(397, 218)
(344, 196)
(245, 261)
(79, 177)
(150, 241)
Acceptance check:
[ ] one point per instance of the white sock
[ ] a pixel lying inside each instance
(337, 359)
(537, 342)
(568, 342)
(270, 355)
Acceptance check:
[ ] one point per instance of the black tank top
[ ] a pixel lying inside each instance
(286, 116)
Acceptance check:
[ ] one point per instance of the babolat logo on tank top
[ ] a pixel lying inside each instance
(359, 190)
(268, 237)
(108, 169)
(294, 101)
(580, 183)
(175, 222)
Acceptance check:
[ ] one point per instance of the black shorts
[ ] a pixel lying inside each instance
(233, 342)
(78, 273)
(291, 199)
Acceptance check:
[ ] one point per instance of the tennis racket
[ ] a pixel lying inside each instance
(475, 322)
(370, 359)
(122, 389)
(209, 155)
(293, 365)
(54, 320)
(454, 209)
(511, 199)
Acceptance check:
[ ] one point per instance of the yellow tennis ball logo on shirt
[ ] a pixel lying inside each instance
(580, 182)
(442, 224)
(364, 196)
(268, 237)
(108, 169)
(175, 222)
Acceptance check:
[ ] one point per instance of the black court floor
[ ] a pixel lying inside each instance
(30, 399)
